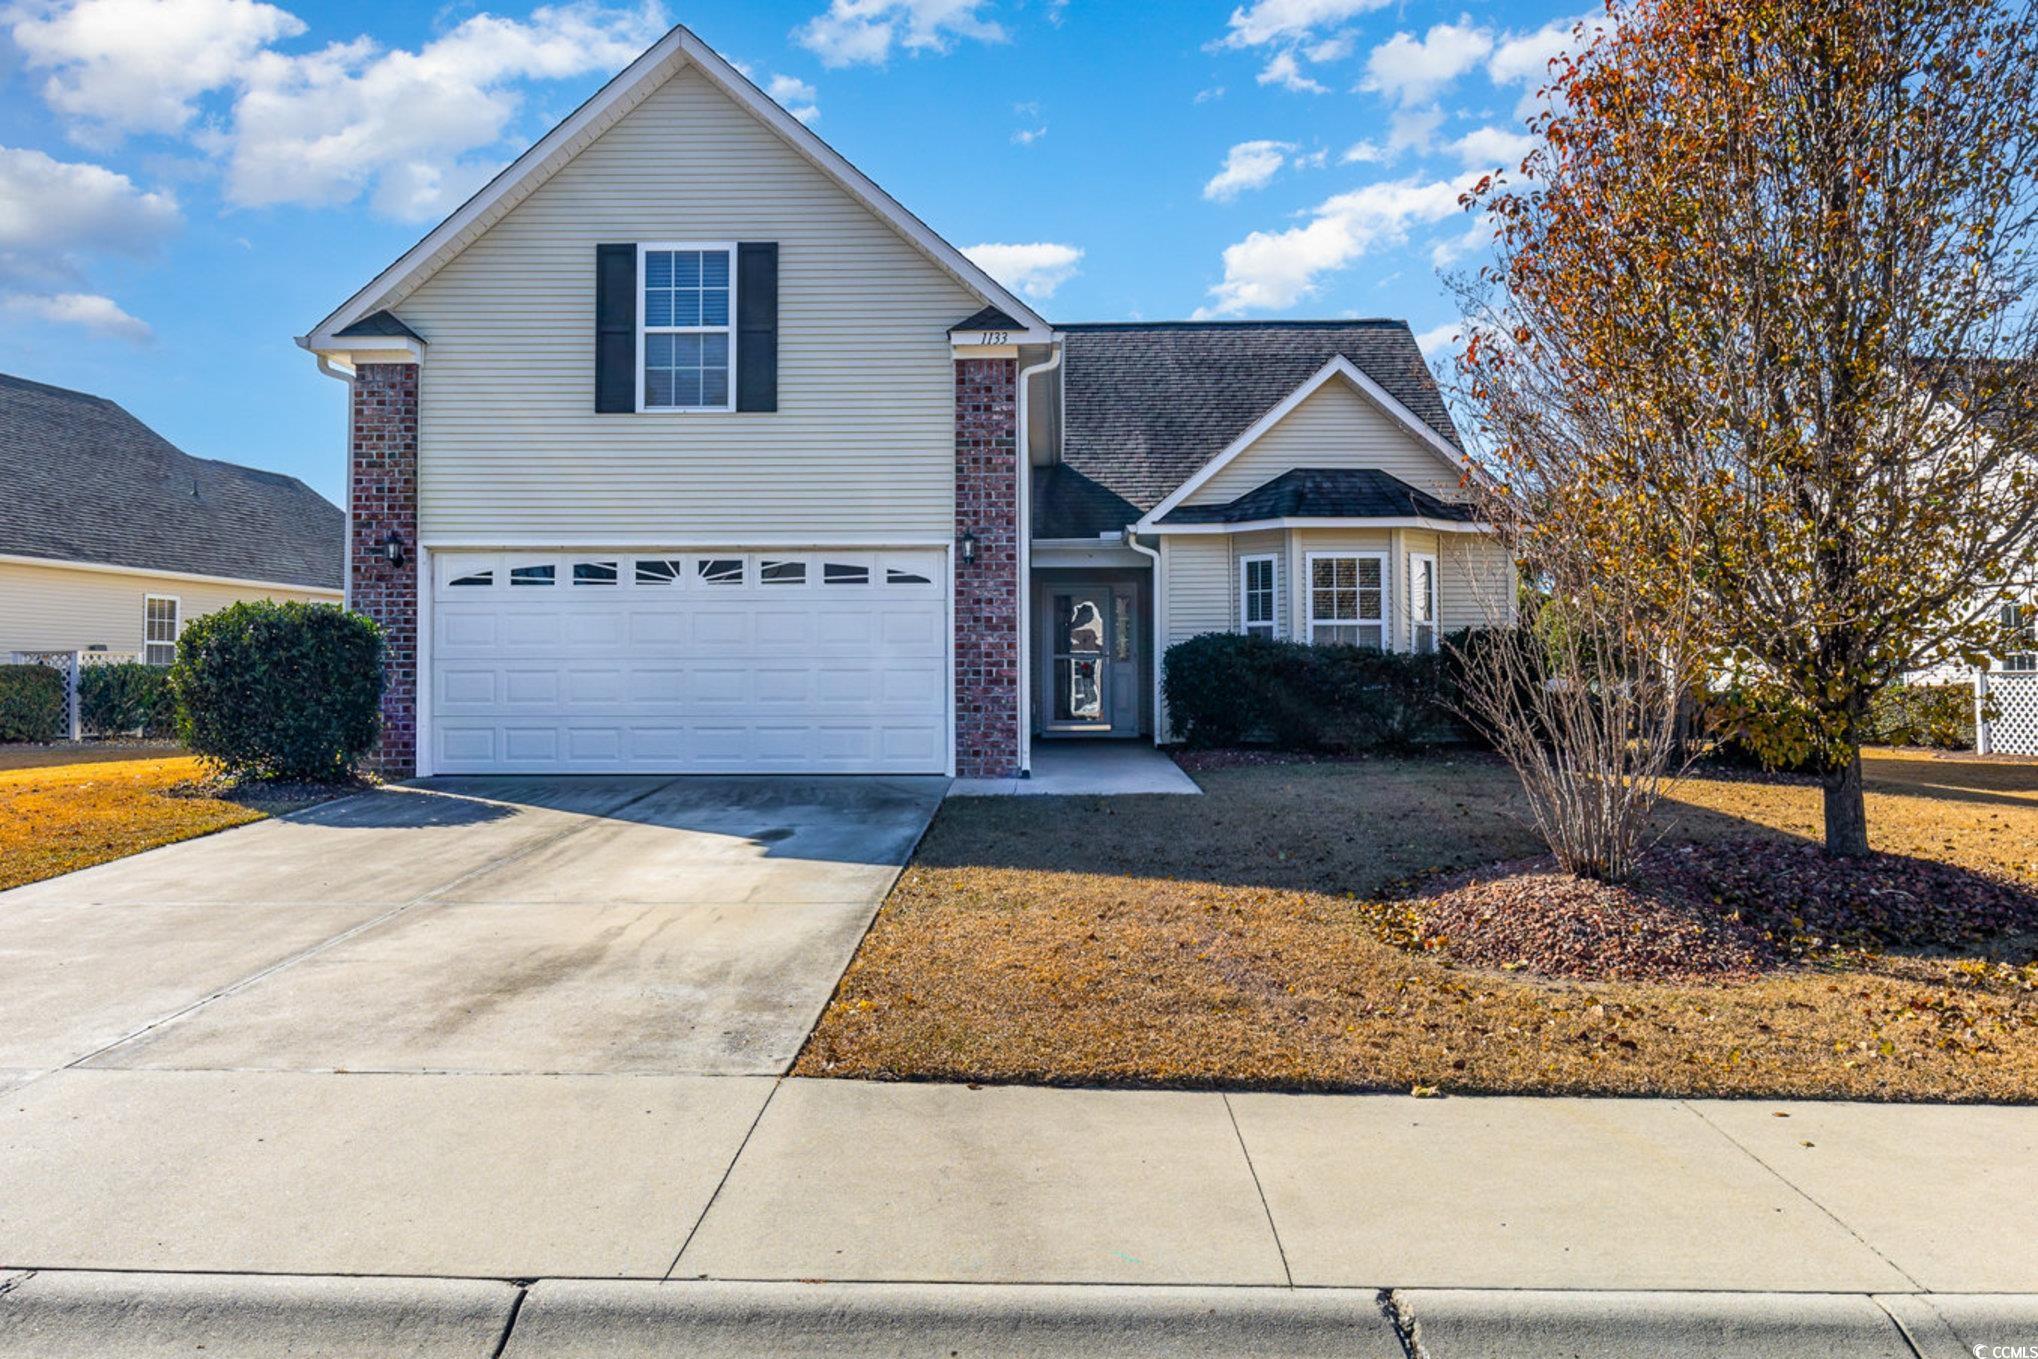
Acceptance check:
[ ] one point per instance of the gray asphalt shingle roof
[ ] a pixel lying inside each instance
(386, 324)
(1325, 493)
(85, 481)
(1148, 404)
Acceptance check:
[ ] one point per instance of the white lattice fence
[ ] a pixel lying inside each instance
(69, 664)
(2015, 728)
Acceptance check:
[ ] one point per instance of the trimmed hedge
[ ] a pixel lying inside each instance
(272, 690)
(32, 704)
(125, 698)
(1225, 689)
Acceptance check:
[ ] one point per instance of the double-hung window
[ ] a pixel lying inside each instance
(1256, 596)
(687, 338)
(159, 629)
(1348, 599)
(2020, 637)
(1422, 603)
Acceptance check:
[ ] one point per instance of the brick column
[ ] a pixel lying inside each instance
(383, 495)
(987, 615)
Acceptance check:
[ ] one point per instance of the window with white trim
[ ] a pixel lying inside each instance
(1256, 596)
(1422, 603)
(159, 629)
(2020, 637)
(1348, 599)
(686, 335)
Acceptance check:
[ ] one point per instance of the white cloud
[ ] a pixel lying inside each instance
(53, 211)
(1524, 58)
(1272, 270)
(326, 126)
(100, 315)
(1413, 129)
(1451, 249)
(1334, 48)
(1283, 70)
(1270, 21)
(1488, 148)
(1249, 165)
(1036, 268)
(1205, 96)
(121, 66)
(1027, 136)
(1413, 69)
(796, 96)
(863, 32)
(1438, 342)
(1362, 153)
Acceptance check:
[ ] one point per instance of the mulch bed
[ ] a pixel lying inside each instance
(268, 795)
(1726, 910)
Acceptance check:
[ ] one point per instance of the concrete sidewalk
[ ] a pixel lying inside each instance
(1005, 1220)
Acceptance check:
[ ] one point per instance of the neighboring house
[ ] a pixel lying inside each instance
(683, 447)
(112, 539)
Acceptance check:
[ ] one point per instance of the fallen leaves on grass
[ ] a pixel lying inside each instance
(1240, 940)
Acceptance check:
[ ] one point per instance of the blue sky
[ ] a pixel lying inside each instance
(186, 184)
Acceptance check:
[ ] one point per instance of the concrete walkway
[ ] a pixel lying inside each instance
(1329, 1224)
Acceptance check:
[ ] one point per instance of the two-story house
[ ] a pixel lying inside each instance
(682, 446)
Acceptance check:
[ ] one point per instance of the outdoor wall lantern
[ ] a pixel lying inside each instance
(969, 547)
(392, 548)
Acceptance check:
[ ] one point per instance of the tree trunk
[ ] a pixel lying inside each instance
(1846, 810)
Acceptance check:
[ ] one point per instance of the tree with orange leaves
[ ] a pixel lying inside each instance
(1761, 335)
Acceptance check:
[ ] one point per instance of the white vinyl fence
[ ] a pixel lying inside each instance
(70, 664)
(2015, 728)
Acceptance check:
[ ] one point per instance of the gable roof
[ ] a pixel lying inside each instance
(87, 482)
(609, 105)
(1147, 406)
(1325, 493)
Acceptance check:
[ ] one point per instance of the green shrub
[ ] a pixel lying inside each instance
(1752, 729)
(1937, 715)
(1227, 689)
(32, 704)
(279, 690)
(127, 697)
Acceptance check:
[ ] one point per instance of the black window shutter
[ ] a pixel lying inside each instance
(615, 328)
(757, 326)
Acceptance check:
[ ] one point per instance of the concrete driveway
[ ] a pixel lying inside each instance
(446, 1026)
(587, 925)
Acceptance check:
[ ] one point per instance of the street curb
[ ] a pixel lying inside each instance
(566, 1319)
(1966, 1325)
(74, 1315)
(1535, 1324)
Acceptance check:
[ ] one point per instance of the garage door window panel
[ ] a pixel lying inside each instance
(771, 572)
(534, 575)
(594, 573)
(720, 570)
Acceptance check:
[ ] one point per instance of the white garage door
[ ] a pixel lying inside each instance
(770, 662)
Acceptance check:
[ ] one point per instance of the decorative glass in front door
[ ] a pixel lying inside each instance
(1080, 628)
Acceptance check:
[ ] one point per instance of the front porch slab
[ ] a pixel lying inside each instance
(1087, 769)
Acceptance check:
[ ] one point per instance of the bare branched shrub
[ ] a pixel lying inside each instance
(1579, 685)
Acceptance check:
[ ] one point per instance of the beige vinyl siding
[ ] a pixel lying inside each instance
(862, 444)
(57, 608)
(1475, 582)
(1198, 574)
(1333, 427)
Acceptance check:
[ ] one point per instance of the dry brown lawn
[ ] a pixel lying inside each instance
(55, 819)
(1236, 940)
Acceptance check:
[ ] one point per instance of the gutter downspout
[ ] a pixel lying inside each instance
(1024, 586)
(333, 370)
(1160, 606)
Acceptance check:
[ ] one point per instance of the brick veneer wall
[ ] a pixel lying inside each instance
(383, 495)
(986, 591)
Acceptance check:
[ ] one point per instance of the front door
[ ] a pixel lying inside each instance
(1089, 671)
